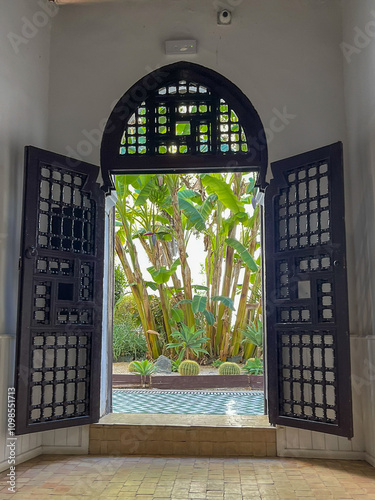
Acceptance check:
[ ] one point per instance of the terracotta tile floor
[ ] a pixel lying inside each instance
(73, 477)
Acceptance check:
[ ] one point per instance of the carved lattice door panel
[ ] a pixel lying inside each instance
(61, 283)
(306, 292)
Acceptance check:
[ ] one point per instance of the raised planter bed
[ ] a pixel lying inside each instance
(189, 382)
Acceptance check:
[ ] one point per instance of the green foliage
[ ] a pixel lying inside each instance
(217, 363)
(229, 369)
(175, 365)
(254, 366)
(120, 283)
(177, 315)
(210, 318)
(243, 253)
(126, 311)
(162, 213)
(253, 333)
(227, 301)
(187, 341)
(162, 275)
(144, 367)
(199, 303)
(131, 367)
(189, 368)
(223, 191)
(192, 214)
(127, 341)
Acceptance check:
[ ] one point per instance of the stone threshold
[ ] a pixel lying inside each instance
(256, 421)
(119, 434)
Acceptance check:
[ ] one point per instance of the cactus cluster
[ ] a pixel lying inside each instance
(189, 368)
(229, 369)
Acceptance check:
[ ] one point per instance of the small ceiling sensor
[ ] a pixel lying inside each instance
(224, 17)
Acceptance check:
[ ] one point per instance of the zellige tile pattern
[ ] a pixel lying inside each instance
(188, 402)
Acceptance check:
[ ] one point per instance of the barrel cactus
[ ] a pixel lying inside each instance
(189, 368)
(131, 367)
(229, 369)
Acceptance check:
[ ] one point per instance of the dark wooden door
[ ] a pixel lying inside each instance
(306, 294)
(61, 288)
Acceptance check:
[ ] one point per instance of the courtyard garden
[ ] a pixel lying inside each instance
(188, 275)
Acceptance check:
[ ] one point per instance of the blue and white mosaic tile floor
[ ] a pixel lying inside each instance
(188, 402)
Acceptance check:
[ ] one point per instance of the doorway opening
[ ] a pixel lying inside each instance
(188, 294)
(63, 326)
(179, 151)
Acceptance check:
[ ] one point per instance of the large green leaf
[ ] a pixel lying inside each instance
(223, 191)
(163, 274)
(200, 287)
(144, 193)
(184, 301)
(163, 220)
(188, 194)
(210, 318)
(123, 182)
(175, 265)
(199, 303)
(177, 315)
(243, 253)
(208, 205)
(160, 276)
(151, 285)
(192, 214)
(227, 301)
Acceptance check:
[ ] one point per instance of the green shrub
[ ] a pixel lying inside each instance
(120, 283)
(217, 363)
(189, 368)
(229, 369)
(126, 310)
(254, 366)
(127, 341)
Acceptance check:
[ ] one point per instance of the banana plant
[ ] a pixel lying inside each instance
(162, 211)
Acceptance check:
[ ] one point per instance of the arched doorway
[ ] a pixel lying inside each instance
(62, 261)
(184, 119)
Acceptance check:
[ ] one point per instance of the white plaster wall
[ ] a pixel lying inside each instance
(24, 75)
(281, 54)
(359, 71)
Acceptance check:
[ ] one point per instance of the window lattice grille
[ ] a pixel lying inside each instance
(66, 213)
(302, 212)
(183, 118)
(308, 375)
(60, 368)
